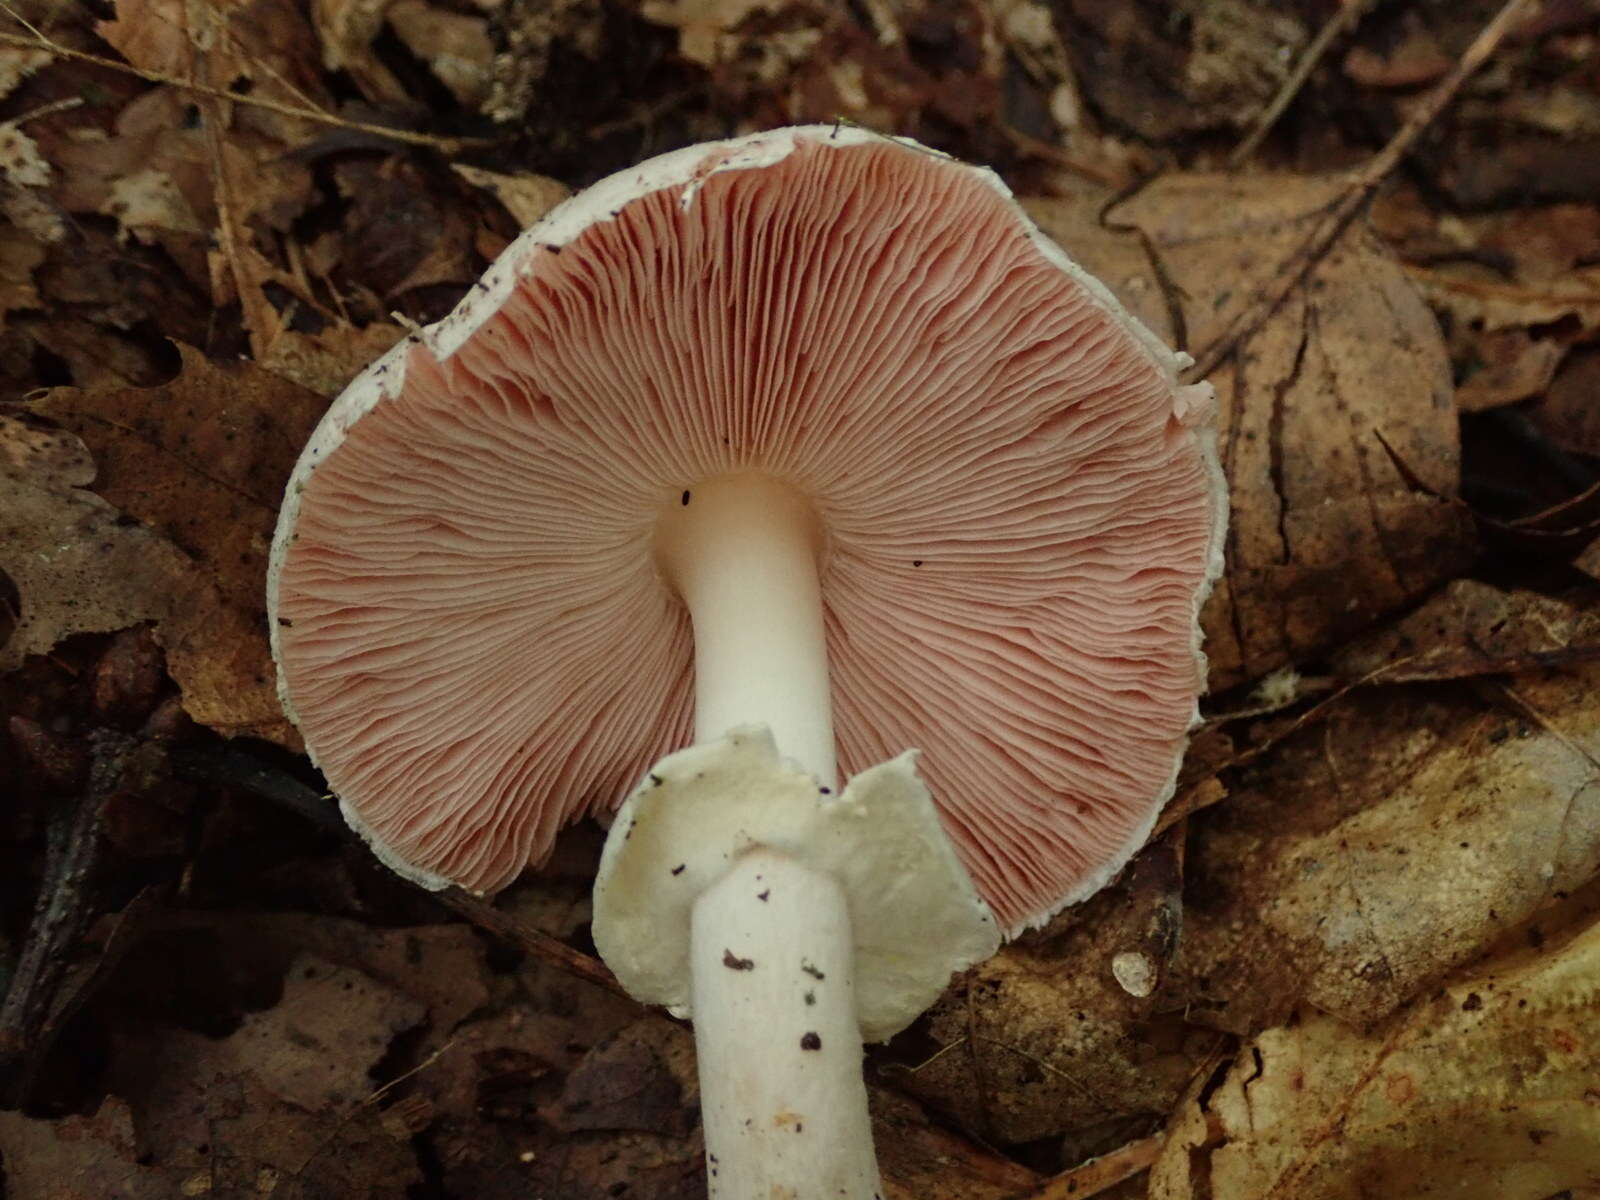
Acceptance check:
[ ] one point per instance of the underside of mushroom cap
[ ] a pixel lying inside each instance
(1021, 509)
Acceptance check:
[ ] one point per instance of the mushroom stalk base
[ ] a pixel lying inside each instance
(781, 1093)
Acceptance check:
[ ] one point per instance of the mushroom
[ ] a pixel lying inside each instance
(765, 451)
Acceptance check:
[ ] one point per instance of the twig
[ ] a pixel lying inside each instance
(61, 913)
(356, 1109)
(446, 145)
(1344, 19)
(237, 769)
(1191, 802)
(1098, 1174)
(1520, 703)
(1172, 296)
(541, 945)
(47, 110)
(976, 1039)
(1058, 157)
(1363, 183)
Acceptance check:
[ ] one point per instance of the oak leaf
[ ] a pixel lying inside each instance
(1484, 1091)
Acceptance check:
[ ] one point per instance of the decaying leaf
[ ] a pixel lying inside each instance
(1494, 304)
(438, 966)
(1216, 66)
(525, 197)
(347, 29)
(628, 1083)
(283, 1102)
(207, 180)
(705, 26)
(1326, 534)
(1567, 414)
(455, 45)
(532, 31)
(1049, 1035)
(1485, 1091)
(1470, 628)
(263, 47)
(77, 564)
(1367, 856)
(16, 64)
(314, 1048)
(202, 462)
(920, 1160)
(399, 235)
(327, 360)
(1508, 365)
(497, 1100)
(1516, 289)
(20, 255)
(85, 1158)
(202, 459)
(24, 174)
(1414, 57)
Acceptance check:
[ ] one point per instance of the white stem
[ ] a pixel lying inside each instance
(781, 1094)
(742, 551)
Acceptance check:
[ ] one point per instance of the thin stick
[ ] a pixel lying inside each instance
(446, 145)
(1343, 20)
(1099, 1174)
(1362, 185)
(61, 913)
(540, 945)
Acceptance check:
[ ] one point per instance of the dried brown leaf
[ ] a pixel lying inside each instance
(20, 255)
(283, 1102)
(1486, 1091)
(455, 45)
(532, 31)
(1325, 533)
(21, 164)
(84, 1158)
(1541, 242)
(525, 197)
(94, 356)
(624, 1084)
(202, 462)
(347, 30)
(1508, 366)
(1470, 628)
(439, 966)
(24, 175)
(1588, 560)
(1494, 304)
(1412, 59)
(77, 564)
(1567, 414)
(328, 360)
(705, 27)
(495, 1092)
(398, 233)
(203, 459)
(263, 47)
(1045, 1037)
(1365, 857)
(16, 64)
(921, 1160)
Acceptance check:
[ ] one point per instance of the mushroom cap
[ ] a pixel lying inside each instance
(1022, 508)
